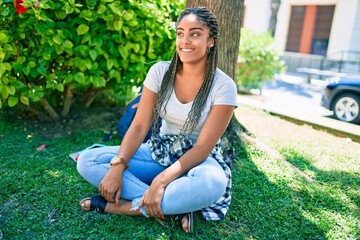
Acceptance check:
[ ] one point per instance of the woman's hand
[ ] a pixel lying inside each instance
(112, 183)
(152, 199)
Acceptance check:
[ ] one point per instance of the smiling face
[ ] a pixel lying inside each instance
(192, 40)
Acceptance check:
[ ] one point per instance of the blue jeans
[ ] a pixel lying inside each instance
(201, 186)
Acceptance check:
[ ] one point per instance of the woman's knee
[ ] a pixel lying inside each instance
(213, 178)
(81, 163)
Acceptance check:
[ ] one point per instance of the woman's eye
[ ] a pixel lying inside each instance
(179, 34)
(195, 34)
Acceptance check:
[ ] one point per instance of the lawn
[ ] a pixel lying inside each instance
(40, 190)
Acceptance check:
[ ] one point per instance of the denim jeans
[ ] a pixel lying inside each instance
(198, 188)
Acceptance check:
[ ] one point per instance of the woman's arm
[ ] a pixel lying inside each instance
(215, 125)
(139, 126)
(131, 142)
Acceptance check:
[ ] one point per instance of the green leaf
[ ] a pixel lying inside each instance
(12, 101)
(24, 100)
(57, 40)
(123, 51)
(4, 91)
(40, 28)
(97, 81)
(59, 49)
(80, 77)
(60, 87)
(109, 64)
(42, 70)
(128, 15)
(31, 64)
(82, 29)
(136, 47)
(46, 5)
(93, 54)
(18, 84)
(118, 24)
(3, 37)
(116, 8)
(68, 44)
(26, 70)
(2, 69)
(11, 90)
(2, 55)
(21, 59)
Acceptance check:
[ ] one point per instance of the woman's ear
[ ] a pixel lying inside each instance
(211, 42)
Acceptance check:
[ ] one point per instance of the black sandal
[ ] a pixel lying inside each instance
(97, 203)
(179, 217)
(171, 221)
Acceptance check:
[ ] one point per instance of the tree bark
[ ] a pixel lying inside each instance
(49, 109)
(67, 101)
(229, 15)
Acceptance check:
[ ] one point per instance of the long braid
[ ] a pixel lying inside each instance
(167, 85)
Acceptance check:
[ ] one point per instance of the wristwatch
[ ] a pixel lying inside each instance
(118, 160)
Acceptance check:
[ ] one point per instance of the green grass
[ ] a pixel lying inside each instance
(40, 191)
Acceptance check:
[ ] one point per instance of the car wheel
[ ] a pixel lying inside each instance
(346, 107)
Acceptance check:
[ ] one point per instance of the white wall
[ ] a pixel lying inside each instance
(343, 26)
(343, 33)
(257, 15)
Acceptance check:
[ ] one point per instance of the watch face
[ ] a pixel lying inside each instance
(116, 159)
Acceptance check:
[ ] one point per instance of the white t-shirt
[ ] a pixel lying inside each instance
(223, 92)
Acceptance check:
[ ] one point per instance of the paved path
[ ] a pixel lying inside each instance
(293, 98)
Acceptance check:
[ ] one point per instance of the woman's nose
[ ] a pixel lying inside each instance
(187, 39)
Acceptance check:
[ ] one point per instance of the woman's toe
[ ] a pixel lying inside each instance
(185, 223)
(85, 204)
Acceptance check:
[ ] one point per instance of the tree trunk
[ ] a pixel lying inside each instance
(229, 15)
(54, 116)
(67, 101)
(275, 4)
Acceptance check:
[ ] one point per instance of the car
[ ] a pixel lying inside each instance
(342, 96)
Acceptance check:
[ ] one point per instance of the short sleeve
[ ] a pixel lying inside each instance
(226, 93)
(155, 76)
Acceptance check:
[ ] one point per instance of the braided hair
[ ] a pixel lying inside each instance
(209, 20)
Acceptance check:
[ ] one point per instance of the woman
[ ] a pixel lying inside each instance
(180, 169)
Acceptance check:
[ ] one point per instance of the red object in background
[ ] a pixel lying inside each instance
(19, 8)
(42, 147)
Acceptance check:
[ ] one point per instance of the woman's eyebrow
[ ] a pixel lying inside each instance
(195, 28)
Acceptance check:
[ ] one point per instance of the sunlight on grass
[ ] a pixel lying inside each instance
(54, 173)
(323, 204)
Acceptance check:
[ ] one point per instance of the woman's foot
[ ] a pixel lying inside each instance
(99, 204)
(95, 203)
(185, 221)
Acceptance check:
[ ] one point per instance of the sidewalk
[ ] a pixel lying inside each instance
(330, 125)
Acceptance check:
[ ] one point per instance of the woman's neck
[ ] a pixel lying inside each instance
(194, 70)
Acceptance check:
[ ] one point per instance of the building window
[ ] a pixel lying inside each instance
(295, 28)
(322, 29)
(309, 29)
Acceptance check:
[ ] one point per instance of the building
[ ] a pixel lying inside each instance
(320, 34)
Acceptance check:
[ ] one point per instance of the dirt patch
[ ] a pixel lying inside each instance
(81, 119)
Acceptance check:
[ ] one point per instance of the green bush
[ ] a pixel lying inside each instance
(66, 51)
(258, 60)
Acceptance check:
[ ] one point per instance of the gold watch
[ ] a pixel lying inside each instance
(118, 160)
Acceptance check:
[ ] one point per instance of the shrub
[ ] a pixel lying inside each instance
(59, 52)
(258, 61)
